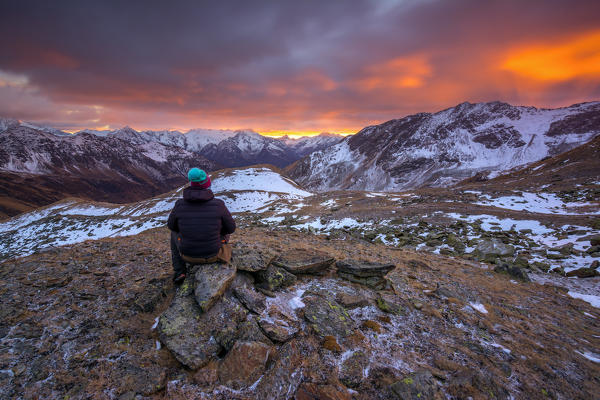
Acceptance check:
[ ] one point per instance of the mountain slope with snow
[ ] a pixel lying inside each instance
(231, 148)
(38, 168)
(75, 220)
(442, 148)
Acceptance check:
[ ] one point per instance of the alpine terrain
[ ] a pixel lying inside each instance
(487, 290)
(40, 165)
(440, 149)
(231, 148)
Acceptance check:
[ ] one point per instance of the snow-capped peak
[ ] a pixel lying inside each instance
(448, 146)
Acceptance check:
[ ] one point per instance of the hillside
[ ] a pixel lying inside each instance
(437, 150)
(574, 171)
(540, 230)
(38, 168)
(85, 324)
(450, 293)
(41, 165)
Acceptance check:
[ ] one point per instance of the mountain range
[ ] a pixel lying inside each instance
(230, 148)
(40, 165)
(443, 148)
(38, 168)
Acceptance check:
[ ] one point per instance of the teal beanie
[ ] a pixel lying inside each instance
(197, 175)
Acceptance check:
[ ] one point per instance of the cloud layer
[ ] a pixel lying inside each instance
(303, 66)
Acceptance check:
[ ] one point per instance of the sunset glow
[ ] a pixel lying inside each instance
(289, 68)
(578, 58)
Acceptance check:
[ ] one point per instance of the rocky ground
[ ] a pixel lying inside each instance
(297, 315)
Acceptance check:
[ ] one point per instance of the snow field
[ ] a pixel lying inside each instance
(543, 203)
(590, 298)
(72, 222)
(257, 179)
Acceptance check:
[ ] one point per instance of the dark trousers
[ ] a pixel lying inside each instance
(178, 263)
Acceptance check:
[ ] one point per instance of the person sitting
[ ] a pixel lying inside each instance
(200, 226)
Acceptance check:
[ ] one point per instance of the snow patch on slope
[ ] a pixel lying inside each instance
(263, 179)
(72, 221)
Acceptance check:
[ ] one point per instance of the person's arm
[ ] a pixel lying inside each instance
(228, 224)
(172, 222)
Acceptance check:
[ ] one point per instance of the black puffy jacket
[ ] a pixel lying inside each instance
(201, 221)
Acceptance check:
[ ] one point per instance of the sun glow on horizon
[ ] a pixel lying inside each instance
(299, 134)
(268, 133)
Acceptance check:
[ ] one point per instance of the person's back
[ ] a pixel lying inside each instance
(199, 223)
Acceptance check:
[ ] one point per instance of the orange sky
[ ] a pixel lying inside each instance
(288, 67)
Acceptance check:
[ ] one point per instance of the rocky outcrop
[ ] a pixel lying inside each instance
(212, 312)
(513, 271)
(366, 273)
(185, 334)
(302, 261)
(448, 328)
(211, 281)
(251, 258)
(274, 278)
(326, 316)
(490, 249)
(584, 272)
(250, 298)
(279, 325)
(244, 364)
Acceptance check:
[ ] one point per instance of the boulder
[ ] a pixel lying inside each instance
(566, 250)
(251, 259)
(250, 331)
(595, 240)
(326, 316)
(446, 292)
(364, 269)
(185, 335)
(274, 278)
(279, 325)
(418, 385)
(584, 272)
(195, 337)
(352, 300)
(492, 248)
(352, 369)
(304, 261)
(513, 271)
(211, 281)
(392, 304)
(243, 365)
(227, 322)
(250, 298)
(285, 374)
(593, 249)
(312, 391)
(365, 273)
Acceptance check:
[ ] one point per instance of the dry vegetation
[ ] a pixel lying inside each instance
(76, 323)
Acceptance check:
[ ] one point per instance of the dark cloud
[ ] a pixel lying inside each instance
(298, 65)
